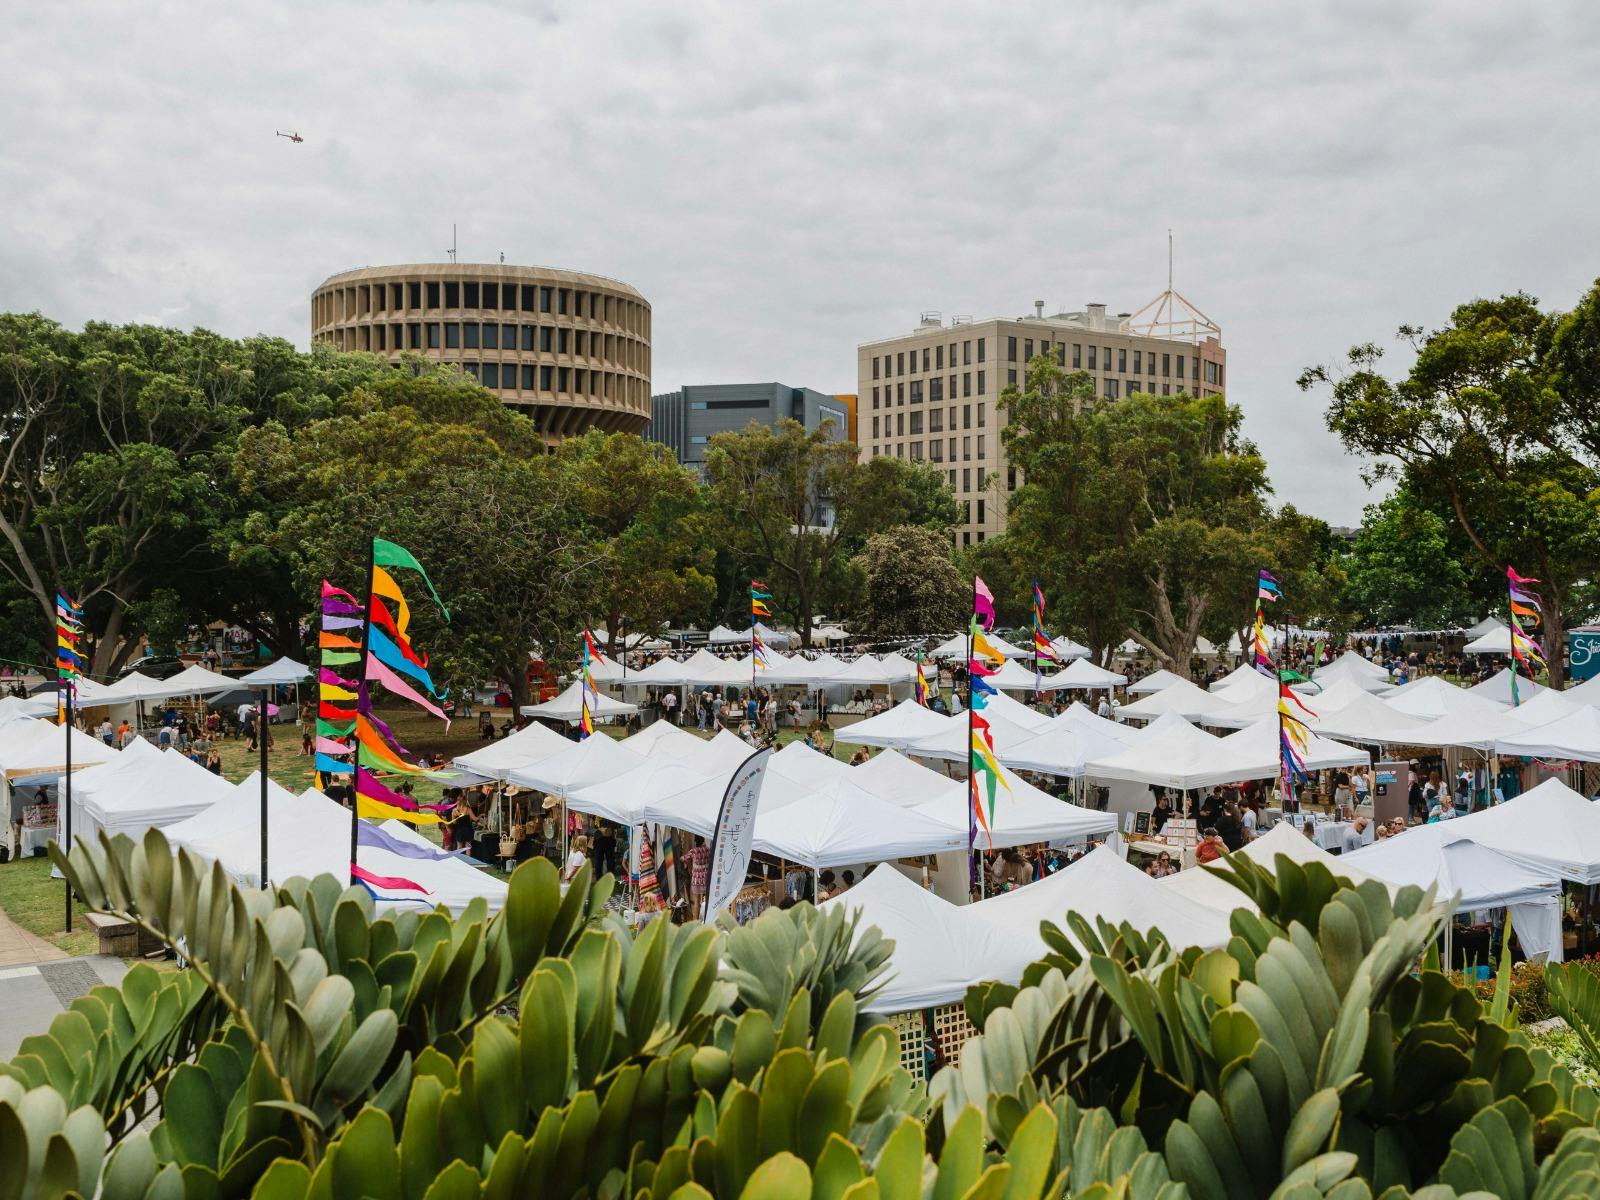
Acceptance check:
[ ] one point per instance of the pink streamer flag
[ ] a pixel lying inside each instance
(983, 602)
(395, 883)
(328, 745)
(373, 790)
(378, 673)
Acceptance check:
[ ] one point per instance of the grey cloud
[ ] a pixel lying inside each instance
(786, 180)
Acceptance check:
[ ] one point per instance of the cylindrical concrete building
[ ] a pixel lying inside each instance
(571, 350)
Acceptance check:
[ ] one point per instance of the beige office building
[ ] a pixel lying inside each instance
(930, 395)
(570, 350)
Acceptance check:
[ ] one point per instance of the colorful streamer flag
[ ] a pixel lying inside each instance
(1293, 736)
(69, 663)
(983, 769)
(646, 882)
(666, 870)
(759, 595)
(1526, 606)
(335, 721)
(925, 689)
(380, 838)
(1267, 592)
(591, 696)
(1044, 649)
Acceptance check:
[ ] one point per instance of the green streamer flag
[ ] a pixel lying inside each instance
(387, 554)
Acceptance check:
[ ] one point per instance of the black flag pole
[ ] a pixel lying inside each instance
(361, 696)
(261, 738)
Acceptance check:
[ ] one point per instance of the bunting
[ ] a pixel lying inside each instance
(983, 769)
(1526, 606)
(1044, 650)
(1267, 592)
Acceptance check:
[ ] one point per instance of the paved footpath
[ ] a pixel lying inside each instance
(37, 981)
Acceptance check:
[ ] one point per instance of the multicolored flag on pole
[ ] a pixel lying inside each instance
(1267, 592)
(590, 694)
(1526, 606)
(983, 769)
(1044, 650)
(925, 688)
(759, 595)
(69, 662)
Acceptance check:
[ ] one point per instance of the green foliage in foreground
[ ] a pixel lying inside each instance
(313, 1048)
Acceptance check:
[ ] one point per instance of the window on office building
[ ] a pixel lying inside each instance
(469, 335)
(874, 397)
(900, 363)
(491, 375)
(966, 449)
(1011, 378)
(966, 416)
(938, 357)
(530, 300)
(952, 480)
(936, 420)
(874, 426)
(916, 451)
(980, 447)
(936, 389)
(1180, 366)
(1111, 389)
(452, 295)
(936, 450)
(980, 383)
(980, 510)
(544, 300)
(1011, 349)
(491, 338)
(1122, 361)
(900, 394)
(547, 337)
(874, 366)
(1166, 389)
(528, 335)
(470, 296)
(916, 421)
(452, 336)
(546, 378)
(981, 407)
(1027, 351)
(966, 384)
(1137, 355)
(981, 341)
(966, 480)
(924, 358)
(564, 379)
(916, 391)
(527, 378)
(413, 295)
(1092, 357)
(433, 295)
(982, 477)
(1194, 372)
(900, 450)
(413, 335)
(966, 353)
(900, 424)
(1011, 479)
(1166, 364)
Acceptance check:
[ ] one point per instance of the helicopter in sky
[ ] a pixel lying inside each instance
(290, 134)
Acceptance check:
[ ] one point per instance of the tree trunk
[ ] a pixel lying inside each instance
(517, 679)
(107, 648)
(1554, 638)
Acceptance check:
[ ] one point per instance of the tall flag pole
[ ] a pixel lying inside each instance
(586, 689)
(351, 738)
(983, 769)
(1293, 733)
(759, 595)
(1267, 592)
(1043, 647)
(1525, 603)
(69, 665)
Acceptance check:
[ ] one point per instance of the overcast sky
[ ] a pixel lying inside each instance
(785, 180)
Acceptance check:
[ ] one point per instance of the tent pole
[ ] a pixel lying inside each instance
(66, 786)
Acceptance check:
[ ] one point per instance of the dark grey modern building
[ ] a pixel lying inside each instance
(686, 419)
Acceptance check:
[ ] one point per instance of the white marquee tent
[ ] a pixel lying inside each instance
(1576, 736)
(900, 726)
(1204, 887)
(1153, 682)
(32, 750)
(144, 788)
(1432, 697)
(1182, 697)
(1495, 640)
(1498, 688)
(1548, 828)
(1081, 673)
(527, 746)
(593, 760)
(569, 704)
(1365, 720)
(956, 647)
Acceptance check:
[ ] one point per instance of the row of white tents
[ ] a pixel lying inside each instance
(1513, 856)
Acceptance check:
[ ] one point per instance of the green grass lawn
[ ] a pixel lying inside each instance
(35, 901)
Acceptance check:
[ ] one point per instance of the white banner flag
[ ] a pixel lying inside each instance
(736, 827)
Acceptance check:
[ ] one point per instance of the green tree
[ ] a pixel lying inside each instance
(115, 476)
(646, 526)
(911, 587)
(1404, 570)
(794, 506)
(1475, 425)
(443, 467)
(1144, 517)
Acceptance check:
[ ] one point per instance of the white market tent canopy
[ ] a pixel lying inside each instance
(899, 727)
(144, 788)
(1181, 696)
(1587, 692)
(44, 704)
(35, 750)
(956, 647)
(1432, 697)
(1204, 887)
(527, 746)
(1101, 884)
(1365, 719)
(568, 706)
(1067, 745)
(866, 671)
(1240, 674)
(1015, 676)
(899, 668)
(721, 634)
(284, 671)
(1081, 673)
(1010, 724)
(595, 759)
(841, 823)
(1576, 736)
(1495, 640)
(662, 737)
(940, 948)
(1154, 682)
(1180, 760)
(1170, 739)
(1548, 828)
(309, 835)
(1351, 668)
(1068, 649)
(1498, 688)
(1479, 877)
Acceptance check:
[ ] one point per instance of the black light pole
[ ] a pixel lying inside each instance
(261, 738)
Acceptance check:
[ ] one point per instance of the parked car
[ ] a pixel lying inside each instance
(163, 666)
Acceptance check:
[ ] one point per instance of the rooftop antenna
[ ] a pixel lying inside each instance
(1164, 318)
(502, 256)
(452, 250)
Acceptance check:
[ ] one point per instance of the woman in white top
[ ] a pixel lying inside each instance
(576, 858)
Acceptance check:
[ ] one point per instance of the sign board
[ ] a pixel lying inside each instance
(1583, 650)
(1391, 790)
(734, 831)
